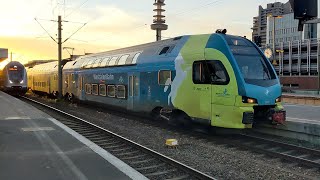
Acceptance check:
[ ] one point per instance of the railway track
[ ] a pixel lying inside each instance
(293, 153)
(150, 163)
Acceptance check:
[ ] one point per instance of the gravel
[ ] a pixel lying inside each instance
(216, 159)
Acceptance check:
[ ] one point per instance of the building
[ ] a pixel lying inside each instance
(260, 22)
(297, 57)
(3, 54)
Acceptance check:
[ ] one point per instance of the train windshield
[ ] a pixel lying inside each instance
(253, 66)
(15, 73)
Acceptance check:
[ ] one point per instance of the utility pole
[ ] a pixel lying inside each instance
(59, 58)
(11, 57)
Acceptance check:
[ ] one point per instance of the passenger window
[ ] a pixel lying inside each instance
(96, 63)
(111, 91)
(164, 77)
(134, 60)
(104, 62)
(95, 89)
(89, 64)
(123, 59)
(112, 62)
(210, 72)
(88, 88)
(102, 90)
(121, 91)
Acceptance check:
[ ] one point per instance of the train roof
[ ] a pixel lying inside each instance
(128, 55)
(13, 63)
(45, 67)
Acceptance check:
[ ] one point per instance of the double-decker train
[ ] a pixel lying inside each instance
(13, 78)
(215, 79)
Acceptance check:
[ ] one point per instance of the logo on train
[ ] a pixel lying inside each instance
(103, 76)
(224, 93)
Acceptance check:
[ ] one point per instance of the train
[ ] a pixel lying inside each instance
(214, 79)
(13, 78)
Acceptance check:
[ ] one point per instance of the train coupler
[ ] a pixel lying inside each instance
(278, 117)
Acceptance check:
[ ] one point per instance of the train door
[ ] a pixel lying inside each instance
(201, 93)
(223, 94)
(133, 90)
(81, 92)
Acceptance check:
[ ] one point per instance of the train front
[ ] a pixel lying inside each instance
(258, 85)
(16, 78)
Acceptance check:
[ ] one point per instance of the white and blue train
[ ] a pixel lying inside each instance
(215, 79)
(13, 78)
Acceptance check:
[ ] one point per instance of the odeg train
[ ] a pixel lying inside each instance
(13, 78)
(215, 79)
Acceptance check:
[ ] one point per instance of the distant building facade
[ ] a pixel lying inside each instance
(260, 22)
(297, 60)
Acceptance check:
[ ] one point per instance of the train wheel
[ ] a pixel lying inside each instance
(180, 119)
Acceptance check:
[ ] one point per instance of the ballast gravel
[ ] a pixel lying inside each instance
(218, 160)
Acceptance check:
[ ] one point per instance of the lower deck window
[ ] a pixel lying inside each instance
(88, 88)
(121, 91)
(95, 89)
(111, 91)
(102, 90)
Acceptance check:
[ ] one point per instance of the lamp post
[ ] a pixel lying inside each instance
(274, 38)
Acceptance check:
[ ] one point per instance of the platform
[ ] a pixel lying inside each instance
(302, 123)
(34, 146)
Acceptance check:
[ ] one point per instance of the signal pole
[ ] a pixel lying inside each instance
(59, 59)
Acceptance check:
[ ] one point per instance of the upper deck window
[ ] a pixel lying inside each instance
(113, 60)
(123, 59)
(104, 62)
(134, 60)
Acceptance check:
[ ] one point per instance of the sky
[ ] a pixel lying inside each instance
(28, 27)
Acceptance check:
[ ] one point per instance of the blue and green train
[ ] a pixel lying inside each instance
(215, 79)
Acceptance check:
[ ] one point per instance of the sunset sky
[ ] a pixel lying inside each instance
(113, 24)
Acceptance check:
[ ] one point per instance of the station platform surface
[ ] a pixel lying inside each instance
(34, 146)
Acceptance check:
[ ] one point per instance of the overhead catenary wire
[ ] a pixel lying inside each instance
(76, 9)
(45, 30)
(75, 32)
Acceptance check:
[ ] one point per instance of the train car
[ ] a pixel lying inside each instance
(13, 78)
(215, 79)
(43, 79)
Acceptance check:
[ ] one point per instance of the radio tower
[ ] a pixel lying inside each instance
(159, 21)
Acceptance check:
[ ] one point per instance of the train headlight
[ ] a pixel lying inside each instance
(249, 100)
(21, 81)
(278, 99)
(10, 82)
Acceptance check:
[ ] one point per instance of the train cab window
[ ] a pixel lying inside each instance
(88, 88)
(104, 62)
(121, 91)
(123, 59)
(164, 77)
(134, 60)
(210, 72)
(113, 60)
(95, 89)
(102, 90)
(111, 91)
